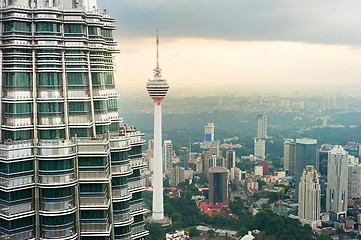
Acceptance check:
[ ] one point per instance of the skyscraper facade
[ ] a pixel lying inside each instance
(305, 155)
(167, 155)
(259, 148)
(354, 181)
(261, 125)
(69, 167)
(184, 157)
(322, 159)
(208, 135)
(337, 192)
(231, 159)
(176, 176)
(292, 159)
(286, 154)
(218, 185)
(309, 197)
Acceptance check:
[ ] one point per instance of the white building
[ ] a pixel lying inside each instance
(354, 181)
(286, 154)
(258, 170)
(337, 176)
(259, 148)
(261, 125)
(167, 155)
(309, 197)
(208, 135)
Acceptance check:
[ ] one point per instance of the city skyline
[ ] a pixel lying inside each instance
(291, 56)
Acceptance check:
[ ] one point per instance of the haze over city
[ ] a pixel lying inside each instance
(238, 45)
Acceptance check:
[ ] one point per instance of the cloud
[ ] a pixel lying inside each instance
(321, 21)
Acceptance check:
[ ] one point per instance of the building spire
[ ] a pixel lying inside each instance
(157, 71)
(157, 49)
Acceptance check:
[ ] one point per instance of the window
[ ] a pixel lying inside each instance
(50, 107)
(120, 156)
(49, 79)
(76, 78)
(109, 78)
(135, 150)
(56, 164)
(17, 79)
(15, 224)
(114, 126)
(51, 134)
(80, 132)
(17, 135)
(96, 79)
(48, 50)
(112, 103)
(119, 181)
(107, 33)
(16, 167)
(138, 218)
(16, 195)
(59, 220)
(56, 192)
(47, 27)
(17, 26)
(136, 173)
(17, 108)
(73, 28)
(92, 161)
(120, 205)
(96, 187)
(93, 214)
(121, 230)
(99, 105)
(136, 196)
(102, 129)
(94, 31)
(78, 107)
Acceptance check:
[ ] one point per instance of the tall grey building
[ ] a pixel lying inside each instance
(309, 197)
(231, 159)
(354, 181)
(286, 154)
(69, 167)
(337, 194)
(261, 125)
(184, 157)
(305, 155)
(176, 176)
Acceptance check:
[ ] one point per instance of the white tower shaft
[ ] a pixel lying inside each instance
(158, 210)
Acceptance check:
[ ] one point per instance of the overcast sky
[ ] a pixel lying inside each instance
(257, 41)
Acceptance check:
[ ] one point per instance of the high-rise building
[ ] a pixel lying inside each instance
(218, 185)
(70, 168)
(322, 159)
(231, 159)
(354, 181)
(261, 125)
(167, 155)
(184, 157)
(286, 154)
(208, 135)
(305, 155)
(265, 166)
(176, 176)
(258, 170)
(259, 148)
(337, 192)
(157, 88)
(309, 197)
(150, 154)
(292, 159)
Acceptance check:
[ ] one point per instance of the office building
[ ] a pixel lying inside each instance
(218, 185)
(309, 197)
(265, 166)
(258, 170)
(168, 154)
(184, 157)
(208, 136)
(292, 159)
(176, 176)
(354, 181)
(70, 168)
(305, 155)
(261, 125)
(259, 148)
(286, 154)
(322, 159)
(337, 192)
(231, 159)
(157, 89)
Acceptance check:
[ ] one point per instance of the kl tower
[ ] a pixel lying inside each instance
(157, 88)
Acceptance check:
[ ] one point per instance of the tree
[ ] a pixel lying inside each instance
(324, 237)
(211, 233)
(194, 232)
(155, 231)
(241, 232)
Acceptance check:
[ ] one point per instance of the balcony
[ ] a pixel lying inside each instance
(54, 180)
(137, 205)
(120, 142)
(78, 93)
(18, 122)
(137, 162)
(121, 169)
(18, 94)
(119, 192)
(123, 217)
(18, 149)
(15, 182)
(15, 208)
(52, 205)
(135, 184)
(101, 117)
(55, 148)
(87, 146)
(79, 119)
(26, 234)
(52, 121)
(93, 175)
(50, 94)
(93, 201)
